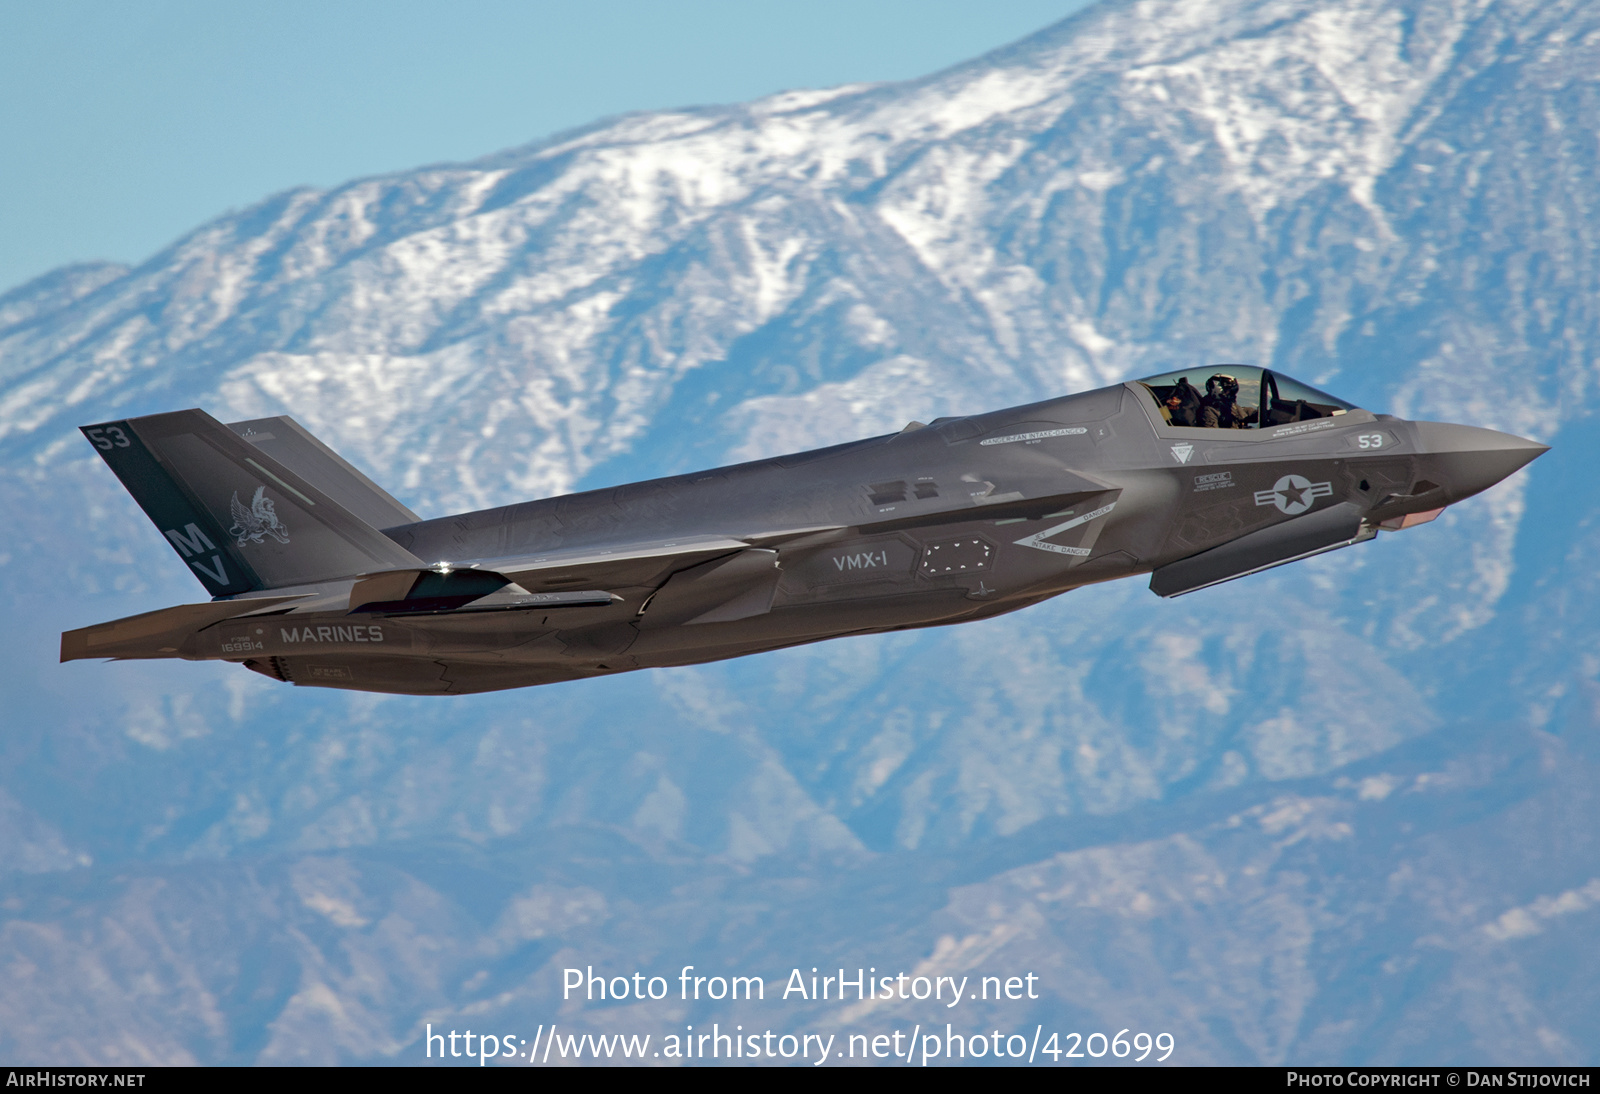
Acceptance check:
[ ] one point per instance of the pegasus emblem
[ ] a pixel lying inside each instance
(260, 520)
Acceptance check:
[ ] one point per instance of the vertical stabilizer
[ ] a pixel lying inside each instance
(288, 442)
(240, 519)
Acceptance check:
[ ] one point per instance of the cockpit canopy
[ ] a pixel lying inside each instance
(1237, 397)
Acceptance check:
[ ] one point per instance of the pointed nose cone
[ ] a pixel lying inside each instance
(1466, 460)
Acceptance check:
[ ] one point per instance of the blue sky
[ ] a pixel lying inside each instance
(125, 124)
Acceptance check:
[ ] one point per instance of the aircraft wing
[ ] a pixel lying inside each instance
(610, 567)
(651, 563)
(571, 578)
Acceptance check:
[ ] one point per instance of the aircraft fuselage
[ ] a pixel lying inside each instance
(958, 520)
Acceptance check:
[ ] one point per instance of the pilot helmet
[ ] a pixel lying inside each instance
(1224, 385)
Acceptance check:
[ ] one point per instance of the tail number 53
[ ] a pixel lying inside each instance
(108, 437)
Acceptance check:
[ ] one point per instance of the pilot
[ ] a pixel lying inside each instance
(1220, 409)
(1183, 405)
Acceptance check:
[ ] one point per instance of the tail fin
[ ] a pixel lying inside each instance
(286, 441)
(241, 519)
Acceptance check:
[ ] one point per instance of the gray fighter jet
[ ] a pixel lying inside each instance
(320, 578)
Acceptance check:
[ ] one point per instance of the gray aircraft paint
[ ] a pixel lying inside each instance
(962, 519)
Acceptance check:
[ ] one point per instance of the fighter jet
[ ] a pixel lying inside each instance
(319, 578)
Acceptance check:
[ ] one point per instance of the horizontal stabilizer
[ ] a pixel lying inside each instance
(1325, 530)
(158, 633)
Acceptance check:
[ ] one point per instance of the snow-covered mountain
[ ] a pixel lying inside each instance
(1342, 811)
